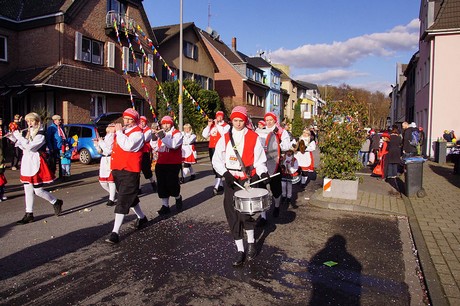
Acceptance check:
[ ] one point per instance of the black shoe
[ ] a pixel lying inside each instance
(192, 177)
(113, 238)
(181, 180)
(220, 188)
(164, 210)
(288, 201)
(139, 192)
(58, 207)
(110, 203)
(140, 223)
(154, 186)
(239, 260)
(215, 191)
(252, 252)
(179, 204)
(262, 222)
(276, 212)
(28, 218)
(283, 200)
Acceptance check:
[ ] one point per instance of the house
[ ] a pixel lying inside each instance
(197, 63)
(237, 82)
(76, 58)
(398, 96)
(437, 67)
(311, 103)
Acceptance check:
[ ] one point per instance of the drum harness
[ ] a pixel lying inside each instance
(246, 170)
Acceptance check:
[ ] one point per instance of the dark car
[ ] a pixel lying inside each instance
(87, 132)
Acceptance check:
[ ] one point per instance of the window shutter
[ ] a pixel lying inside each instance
(125, 59)
(150, 65)
(195, 52)
(78, 38)
(110, 55)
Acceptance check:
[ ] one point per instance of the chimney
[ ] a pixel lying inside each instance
(234, 44)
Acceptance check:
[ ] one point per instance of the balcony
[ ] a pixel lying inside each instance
(112, 16)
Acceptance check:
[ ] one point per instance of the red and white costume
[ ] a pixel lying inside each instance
(188, 148)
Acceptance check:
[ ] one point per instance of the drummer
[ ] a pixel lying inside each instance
(272, 128)
(239, 143)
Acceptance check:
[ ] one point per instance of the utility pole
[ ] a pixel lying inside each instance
(181, 51)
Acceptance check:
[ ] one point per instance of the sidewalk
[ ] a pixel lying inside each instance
(434, 221)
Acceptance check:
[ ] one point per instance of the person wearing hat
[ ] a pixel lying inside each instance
(125, 164)
(146, 153)
(56, 141)
(290, 174)
(239, 143)
(214, 130)
(168, 143)
(260, 125)
(284, 141)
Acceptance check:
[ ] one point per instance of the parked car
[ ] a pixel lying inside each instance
(87, 132)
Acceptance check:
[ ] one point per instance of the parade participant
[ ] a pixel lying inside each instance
(34, 171)
(17, 152)
(305, 160)
(289, 172)
(239, 144)
(146, 153)
(55, 140)
(104, 146)
(188, 152)
(3, 182)
(168, 144)
(284, 141)
(126, 167)
(260, 126)
(214, 130)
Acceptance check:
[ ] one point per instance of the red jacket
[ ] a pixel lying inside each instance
(123, 160)
(250, 140)
(170, 156)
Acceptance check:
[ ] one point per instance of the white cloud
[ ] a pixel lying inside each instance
(337, 76)
(346, 53)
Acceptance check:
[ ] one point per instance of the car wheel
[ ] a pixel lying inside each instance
(85, 156)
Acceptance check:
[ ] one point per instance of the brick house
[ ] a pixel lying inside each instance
(63, 57)
(197, 63)
(238, 82)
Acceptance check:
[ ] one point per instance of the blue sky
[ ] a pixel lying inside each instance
(324, 42)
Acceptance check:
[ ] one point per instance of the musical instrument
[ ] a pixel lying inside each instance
(251, 201)
(11, 133)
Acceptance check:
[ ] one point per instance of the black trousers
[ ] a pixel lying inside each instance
(168, 180)
(127, 184)
(146, 165)
(211, 153)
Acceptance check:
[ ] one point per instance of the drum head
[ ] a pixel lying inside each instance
(272, 151)
(251, 193)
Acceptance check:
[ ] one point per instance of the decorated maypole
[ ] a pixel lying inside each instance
(181, 51)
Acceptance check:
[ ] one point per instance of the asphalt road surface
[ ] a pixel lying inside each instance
(307, 256)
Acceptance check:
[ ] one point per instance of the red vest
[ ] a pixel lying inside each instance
(250, 140)
(123, 160)
(214, 139)
(146, 148)
(170, 156)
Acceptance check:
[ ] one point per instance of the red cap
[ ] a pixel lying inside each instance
(239, 112)
(167, 119)
(220, 113)
(271, 114)
(143, 118)
(131, 112)
(262, 122)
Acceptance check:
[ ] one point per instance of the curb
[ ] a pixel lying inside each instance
(431, 279)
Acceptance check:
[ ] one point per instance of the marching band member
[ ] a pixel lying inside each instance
(168, 143)
(104, 146)
(284, 141)
(305, 159)
(34, 170)
(146, 165)
(188, 152)
(126, 168)
(289, 172)
(240, 143)
(214, 130)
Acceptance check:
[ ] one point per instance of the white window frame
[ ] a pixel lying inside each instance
(94, 109)
(190, 50)
(88, 54)
(140, 62)
(260, 101)
(4, 47)
(110, 55)
(250, 98)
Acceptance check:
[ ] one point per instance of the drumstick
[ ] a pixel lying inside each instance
(239, 186)
(264, 179)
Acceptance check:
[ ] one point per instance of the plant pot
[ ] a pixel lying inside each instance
(340, 189)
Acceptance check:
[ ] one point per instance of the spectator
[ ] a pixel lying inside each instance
(374, 147)
(17, 152)
(408, 149)
(56, 140)
(364, 151)
(393, 158)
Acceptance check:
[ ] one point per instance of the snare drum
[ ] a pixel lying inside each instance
(251, 201)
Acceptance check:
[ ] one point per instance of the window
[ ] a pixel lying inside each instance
(88, 50)
(97, 105)
(190, 50)
(250, 98)
(275, 99)
(250, 73)
(3, 49)
(258, 76)
(139, 105)
(116, 6)
(187, 75)
(293, 104)
(260, 101)
(138, 64)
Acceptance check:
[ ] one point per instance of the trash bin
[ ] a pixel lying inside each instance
(440, 149)
(414, 176)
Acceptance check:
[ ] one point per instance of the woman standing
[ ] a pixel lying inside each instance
(393, 158)
(34, 170)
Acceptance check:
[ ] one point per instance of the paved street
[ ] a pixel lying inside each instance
(186, 259)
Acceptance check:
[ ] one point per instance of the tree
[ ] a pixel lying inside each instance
(341, 127)
(207, 102)
(297, 122)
